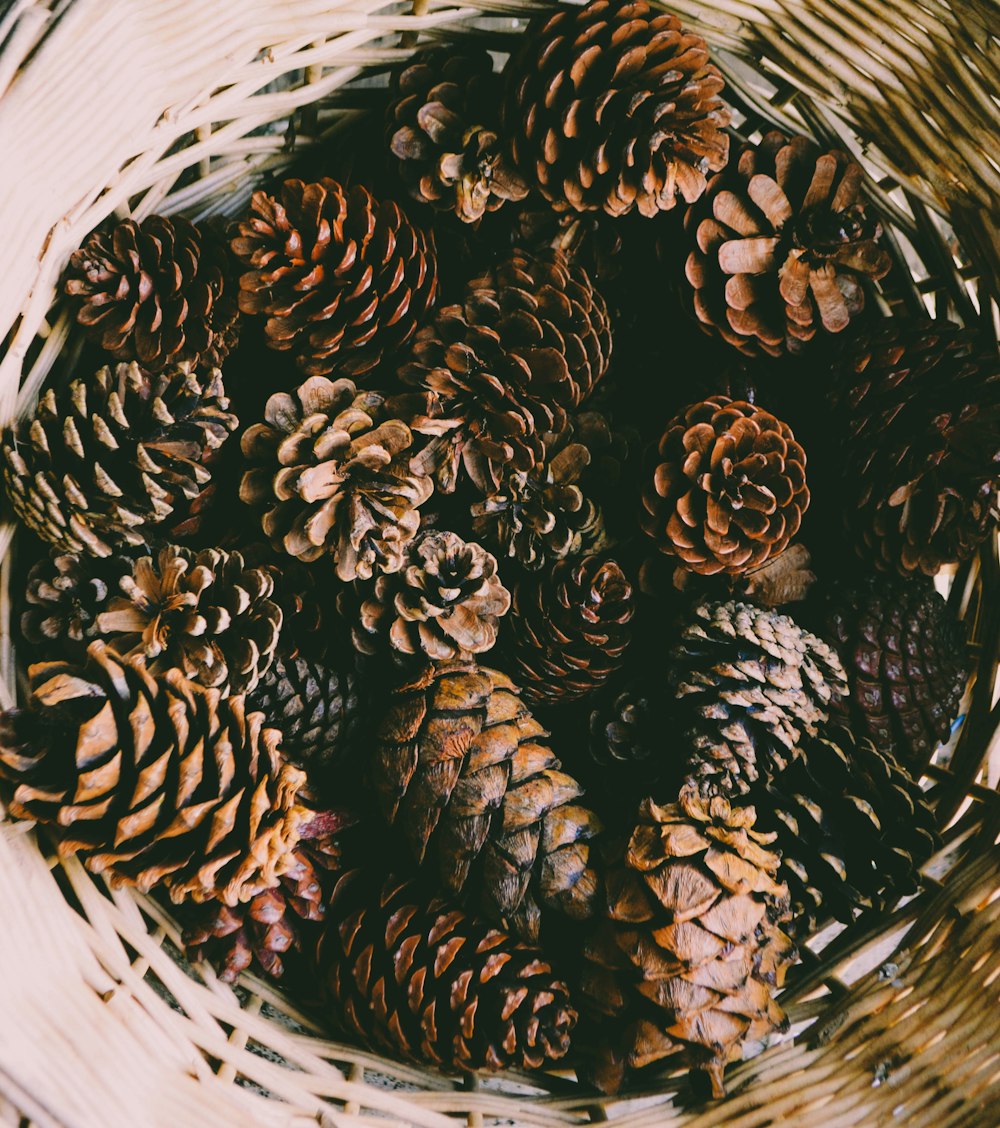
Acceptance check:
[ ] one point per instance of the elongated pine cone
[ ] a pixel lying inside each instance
(444, 129)
(333, 478)
(342, 278)
(153, 781)
(729, 487)
(158, 292)
(690, 954)
(104, 461)
(612, 105)
(783, 247)
(569, 629)
(920, 403)
(460, 768)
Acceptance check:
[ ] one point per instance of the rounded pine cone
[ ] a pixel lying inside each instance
(784, 247)
(342, 278)
(729, 488)
(627, 728)
(612, 105)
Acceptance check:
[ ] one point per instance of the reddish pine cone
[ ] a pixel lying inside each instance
(613, 106)
(784, 246)
(729, 488)
(341, 277)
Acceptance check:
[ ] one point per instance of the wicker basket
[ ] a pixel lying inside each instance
(178, 105)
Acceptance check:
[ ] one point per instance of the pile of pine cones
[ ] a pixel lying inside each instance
(395, 612)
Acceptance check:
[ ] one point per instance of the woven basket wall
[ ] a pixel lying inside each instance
(168, 106)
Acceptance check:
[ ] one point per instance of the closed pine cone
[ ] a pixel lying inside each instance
(412, 975)
(612, 105)
(343, 279)
(691, 951)
(158, 292)
(333, 478)
(104, 461)
(784, 246)
(153, 781)
(444, 129)
(627, 728)
(729, 487)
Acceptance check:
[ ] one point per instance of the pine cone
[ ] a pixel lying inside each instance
(444, 128)
(310, 626)
(460, 770)
(446, 602)
(784, 246)
(613, 106)
(921, 404)
(729, 488)
(158, 292)
(690, 954)
(336, 475)
(413, 976)
(343, 279)
(905, 662)
(106, 460)
(154, 781)
(750, 685)
(569, 629)
(205, 614)
(626, 728)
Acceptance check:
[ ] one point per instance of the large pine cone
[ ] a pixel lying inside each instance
(569, 629)
(444, 128)
(729, 488)
(334, 478)
(411, 975)
(460, 769)
(690, 954)
(158, 292)
(613, 106)
(104, 461)
(784, 246)
(153, 781)
(921, 464)
(342, 278)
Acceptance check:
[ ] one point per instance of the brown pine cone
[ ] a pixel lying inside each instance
(729, 488)
(342, 278)
(784, 246)
(334, 479)
(569, 629)
(444, 129)
(158, 292)
(411, 975)
(612, 105)
(690, 954)
(921, 461)
(104, 461)
(459, 769)
(153, 781)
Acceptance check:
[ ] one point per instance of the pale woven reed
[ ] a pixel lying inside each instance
(108, 107)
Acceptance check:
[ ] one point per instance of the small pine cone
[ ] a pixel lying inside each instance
(612, 105)
(153, 781)
(750, 685)
(157, 292)
(905, 661)
(446, 602)
(334, 478)
(784, 247)
(104, 461)
(309, 624)
(342, 278)
(444, 129)
(691, 952)
(460, 770)
(203, 613)
(569, 629)
(626, 728)
(530, 341)
(921, 461)
(729, 487)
